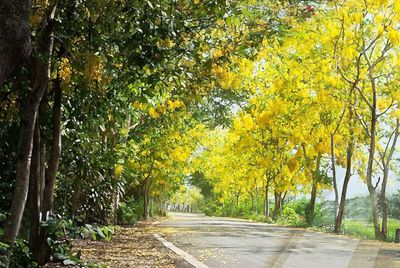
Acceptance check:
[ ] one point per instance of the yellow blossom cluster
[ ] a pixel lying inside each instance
(226, 79)
(176, 104)
(64, 70)
(159, 109)
(118, 169)
(94, 68)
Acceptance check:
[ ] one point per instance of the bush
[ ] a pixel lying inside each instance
(323, 217)
(128, 213)
(100, 232)
(61, 232)
(289, 217)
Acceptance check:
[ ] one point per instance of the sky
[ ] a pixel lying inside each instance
(357, 187)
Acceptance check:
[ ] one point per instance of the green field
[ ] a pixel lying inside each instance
(364, 229)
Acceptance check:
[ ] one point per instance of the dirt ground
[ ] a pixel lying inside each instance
(132, 246)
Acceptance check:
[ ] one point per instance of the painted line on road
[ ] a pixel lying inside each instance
(186, 256)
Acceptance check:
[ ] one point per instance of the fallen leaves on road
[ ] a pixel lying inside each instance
(129, 247)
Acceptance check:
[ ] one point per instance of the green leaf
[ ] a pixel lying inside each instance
(69, 262)
(59, 256)
(150, 4)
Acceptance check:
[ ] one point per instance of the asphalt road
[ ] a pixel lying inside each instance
(225, 242)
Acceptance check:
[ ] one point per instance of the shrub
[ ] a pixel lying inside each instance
(128, 213)
(100, 232)
(289, 217)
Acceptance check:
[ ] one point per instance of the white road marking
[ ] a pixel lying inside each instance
(186, 256)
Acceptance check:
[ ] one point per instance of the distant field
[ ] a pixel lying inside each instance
(365, 229)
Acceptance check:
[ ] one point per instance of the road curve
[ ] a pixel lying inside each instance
(226, 242)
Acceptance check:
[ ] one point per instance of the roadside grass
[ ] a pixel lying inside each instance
(364, 229)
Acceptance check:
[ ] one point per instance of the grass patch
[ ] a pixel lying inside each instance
(365, 229)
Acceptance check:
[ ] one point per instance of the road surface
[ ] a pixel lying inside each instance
(225, 242)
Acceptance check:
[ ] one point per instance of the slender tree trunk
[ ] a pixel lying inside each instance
(51, 171)
(253, 209)
(334, 179)
(266, 199)
(384, 202)
(146, 198)
(34, 193)
(277, 205)
(50, 175)
(314, 191)
(28, 121)
(339, 218)
(371, 187)
(15, 37)
(349, 156)
(386, 167)
(283, 200)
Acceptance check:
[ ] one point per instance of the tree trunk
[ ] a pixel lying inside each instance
(146, 196)
(334, 179)
(311, 211)
(266, 200)
(371, 187)
(28, 121)
(339, 218)
(283, 199)
(349, 155)
(15, 39)
(277, 205)
(50, 175)
(253, 209)
(51, 171)
(35, 193)
(386, 167)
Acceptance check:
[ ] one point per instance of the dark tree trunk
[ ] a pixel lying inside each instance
(277, 205)
(334, 178)
(51, 171)
(349, 155)
(386, 167)
(283, 200)
(50, 175)
(314, 190)
(342, 204)
(371, 156)
(15, 36)
(266, 199)
(41, 70)
(34, 192)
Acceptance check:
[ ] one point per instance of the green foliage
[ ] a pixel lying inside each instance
(60, 235)
(289, 217)
(21, 256)
(61, 232)
(300, 206)
(394, 205)
(100, 232)
(365, 229)
(129, 212)
(255, 217)
(323, 217)
(211, 208)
